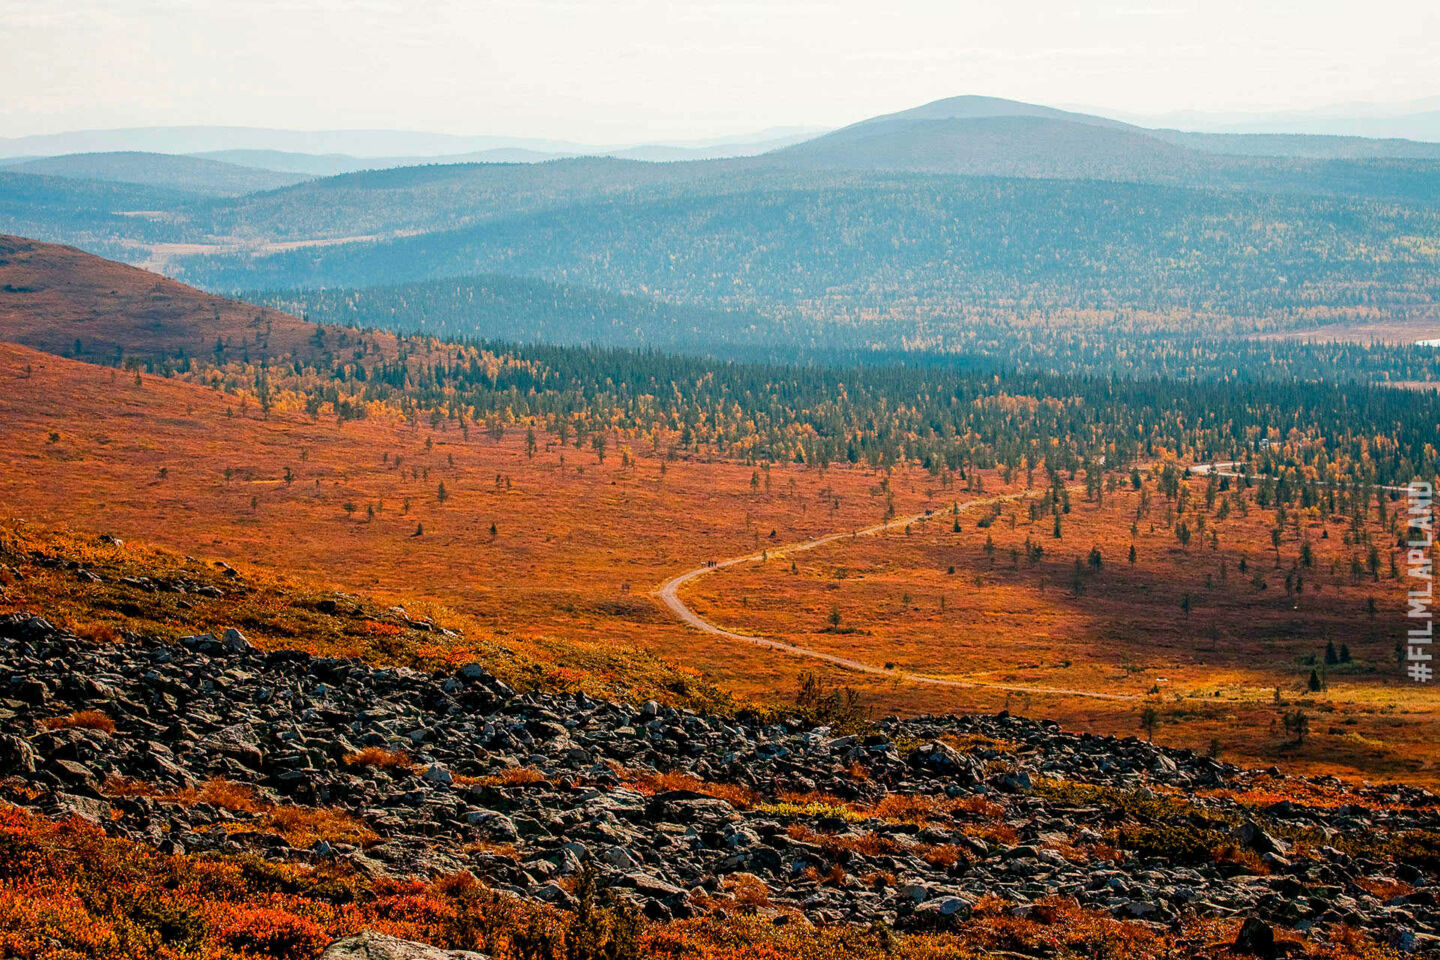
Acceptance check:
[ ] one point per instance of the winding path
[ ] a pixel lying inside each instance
(669, 594)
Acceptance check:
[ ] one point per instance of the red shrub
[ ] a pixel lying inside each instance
(273, 933)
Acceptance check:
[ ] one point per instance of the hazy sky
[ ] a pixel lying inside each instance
(625, 70)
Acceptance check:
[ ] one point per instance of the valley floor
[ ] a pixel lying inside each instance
(554, 551)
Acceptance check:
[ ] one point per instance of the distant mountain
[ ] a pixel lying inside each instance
(188, 140)
(1416, 120)
(669, 152)
(987, 136)
(336, 164)
(284, 161)
(964, 135)
(1312, 146)
(880, 210)
(970, 107)
(344, 151)
(191, 174)
(1424, 125)
(419, 199)
(114, 219)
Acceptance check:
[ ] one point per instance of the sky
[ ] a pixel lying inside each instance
(615, 71)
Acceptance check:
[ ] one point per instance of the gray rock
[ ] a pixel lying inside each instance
(16, 756)
(1257, 839)
(238, 742)
(235, 641)
(618, 857)
(284, 724)
(944, 913)
(377, 946)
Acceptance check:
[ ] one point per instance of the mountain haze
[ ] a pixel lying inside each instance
(191, 174)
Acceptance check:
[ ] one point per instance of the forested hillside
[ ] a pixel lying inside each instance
(434, 197)
(929, 411)
(1178, 346)
(110, 219)
(944, 228)
(937, 245)
(498, 307)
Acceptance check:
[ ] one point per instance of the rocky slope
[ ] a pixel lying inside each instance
(908, 821)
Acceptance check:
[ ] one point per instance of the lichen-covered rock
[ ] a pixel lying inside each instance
(369, 945)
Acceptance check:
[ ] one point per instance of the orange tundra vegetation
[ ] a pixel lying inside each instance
(66, 890)
(81, 720)
(549, 553)
(379, 757)
(1218, 621)
(536, 549)
(102, 588)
